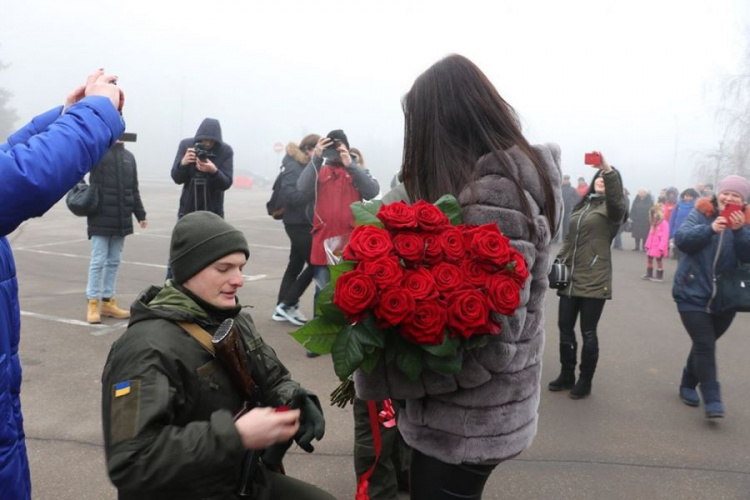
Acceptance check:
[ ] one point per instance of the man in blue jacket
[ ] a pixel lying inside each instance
(39, 164)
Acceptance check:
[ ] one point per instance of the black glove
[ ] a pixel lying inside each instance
(312, 424)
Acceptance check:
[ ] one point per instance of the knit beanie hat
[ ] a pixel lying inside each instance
(199, 239)
(735, 183)
(340, 135)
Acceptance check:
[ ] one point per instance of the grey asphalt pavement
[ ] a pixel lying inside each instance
(631, 439)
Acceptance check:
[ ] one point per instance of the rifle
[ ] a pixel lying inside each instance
(231, 354)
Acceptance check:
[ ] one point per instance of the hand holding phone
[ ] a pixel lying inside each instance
(729, 209)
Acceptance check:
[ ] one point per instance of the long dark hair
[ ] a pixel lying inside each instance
(453, 116)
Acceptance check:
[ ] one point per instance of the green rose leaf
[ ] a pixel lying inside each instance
(448, 348)
(347, 353)
(369, 333)
(371, 360)
(450, 207)
(337, 270)
(365, 213)
(476, 341)
(452, 364)
(409, 359)
(318, 335)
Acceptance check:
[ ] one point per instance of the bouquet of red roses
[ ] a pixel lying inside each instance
(415, 287)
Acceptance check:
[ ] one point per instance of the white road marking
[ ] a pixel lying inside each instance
(51, 244)
(99, 329)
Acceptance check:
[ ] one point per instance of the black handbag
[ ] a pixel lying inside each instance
(732, 290)
(83, 199)
(559, 275)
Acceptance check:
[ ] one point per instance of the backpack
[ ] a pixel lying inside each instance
(275, 206)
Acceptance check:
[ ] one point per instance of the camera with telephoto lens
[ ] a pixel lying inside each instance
(202, 152)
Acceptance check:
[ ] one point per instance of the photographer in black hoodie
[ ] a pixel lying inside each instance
(204, 166)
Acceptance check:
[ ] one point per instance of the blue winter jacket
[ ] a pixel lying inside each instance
(694, 288)
(679, 215)
(38, 165)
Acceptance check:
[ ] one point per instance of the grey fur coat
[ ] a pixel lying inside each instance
(488, 412)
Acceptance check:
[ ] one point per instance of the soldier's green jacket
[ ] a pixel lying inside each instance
(168, 406)
(587, 247)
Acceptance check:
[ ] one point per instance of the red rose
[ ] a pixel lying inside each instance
(453, 244)
(427, 324)
(468, 313)
(474, 273)
(385, 271)
(488, 243)
(448, 277)
(355, 293)
(395, 305)
(420, 284)
(517, 267)
(504, 294)
(398, 216)
(368, 243)
(433, 249)
(409, 246)
(429, 217)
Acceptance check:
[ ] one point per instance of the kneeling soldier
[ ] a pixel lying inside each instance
(191, 394)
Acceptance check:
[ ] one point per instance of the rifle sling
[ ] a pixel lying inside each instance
(205, 339)
(201, 336)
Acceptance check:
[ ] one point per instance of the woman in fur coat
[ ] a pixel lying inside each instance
(470, 144)
(712, 244)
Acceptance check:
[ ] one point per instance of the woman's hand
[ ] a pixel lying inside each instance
(719, 224)
(737, 219)
(603, 165)
(323, 143)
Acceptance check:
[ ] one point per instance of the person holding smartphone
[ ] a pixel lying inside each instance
(714, 239)
(594, 223)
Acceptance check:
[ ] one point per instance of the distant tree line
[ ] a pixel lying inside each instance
(732, 154)
(8, 115)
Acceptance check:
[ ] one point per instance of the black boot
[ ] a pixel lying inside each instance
(649, 274)
(567, 377)
(582, 388)
(589, 360)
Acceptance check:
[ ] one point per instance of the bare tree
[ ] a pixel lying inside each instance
(732, 154)
(8, 115)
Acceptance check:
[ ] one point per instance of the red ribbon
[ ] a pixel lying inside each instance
(385, 417)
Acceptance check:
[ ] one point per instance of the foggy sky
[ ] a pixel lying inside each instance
(634, 79)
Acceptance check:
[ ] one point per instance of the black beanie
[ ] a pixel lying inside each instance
(340, 135)
(198, 240)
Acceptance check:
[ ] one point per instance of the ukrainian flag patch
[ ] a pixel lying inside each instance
(122, 389)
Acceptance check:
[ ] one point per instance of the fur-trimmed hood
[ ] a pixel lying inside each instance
(708, 207)
(297, 154)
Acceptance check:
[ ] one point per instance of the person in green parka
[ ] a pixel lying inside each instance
(594, 223)
(169, 408)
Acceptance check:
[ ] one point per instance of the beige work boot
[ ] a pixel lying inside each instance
(92, 313)
(109, 308)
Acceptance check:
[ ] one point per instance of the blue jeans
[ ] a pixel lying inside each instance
(105, 260)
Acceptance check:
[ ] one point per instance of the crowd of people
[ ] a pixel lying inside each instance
(196, 404)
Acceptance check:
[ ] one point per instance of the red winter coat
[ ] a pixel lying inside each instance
(332, 216)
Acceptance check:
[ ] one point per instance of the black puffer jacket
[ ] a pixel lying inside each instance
(297, 205)
(216, 183)
(116, 177)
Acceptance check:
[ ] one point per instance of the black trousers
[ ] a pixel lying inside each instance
(296, 280)
(431, 479)
(589, 310)
(704, 330)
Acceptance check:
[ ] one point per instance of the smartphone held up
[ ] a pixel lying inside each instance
(593, 158)
(729, 209)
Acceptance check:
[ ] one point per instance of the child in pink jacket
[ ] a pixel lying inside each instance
(657, 244)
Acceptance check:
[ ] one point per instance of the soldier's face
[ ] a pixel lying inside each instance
(218, 283)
